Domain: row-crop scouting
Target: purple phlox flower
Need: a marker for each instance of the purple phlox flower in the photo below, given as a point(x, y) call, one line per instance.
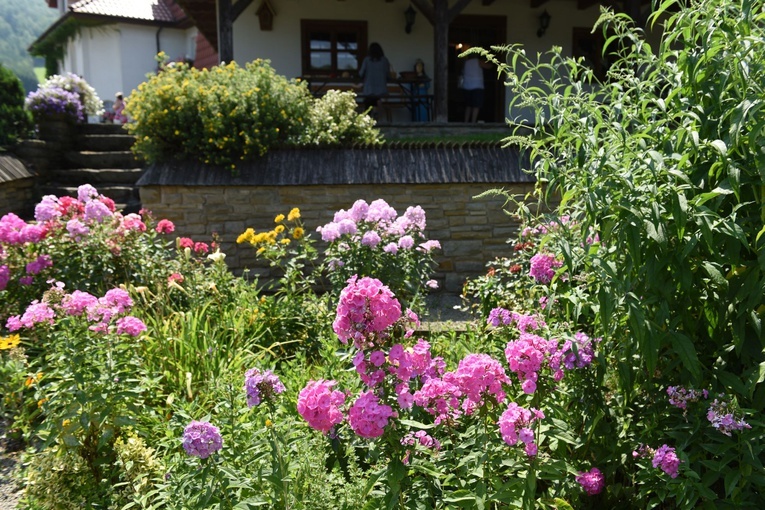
point(86, 193)
point(261, 386)
point(32, 233)
point(5, 276)
point(680, 397)
point(39, 264)
point(347, 226)
point(96, 211)
point(77, 229)
point(440, 398)
point(36, 313)
point(10, 229)
point(499, 316)
point(391, 248)
point(722, 414)
point(48, 208)
point(201, 439)
point(359, 211)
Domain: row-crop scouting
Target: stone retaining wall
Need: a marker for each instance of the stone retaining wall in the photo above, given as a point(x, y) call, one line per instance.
point(443, 180)
point(17, 186)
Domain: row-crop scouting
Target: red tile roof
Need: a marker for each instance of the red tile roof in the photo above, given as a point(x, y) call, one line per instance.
point(148, 10)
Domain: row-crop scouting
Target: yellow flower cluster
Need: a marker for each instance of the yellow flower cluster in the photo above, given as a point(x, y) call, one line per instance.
point(281, 234)
point(9, 342)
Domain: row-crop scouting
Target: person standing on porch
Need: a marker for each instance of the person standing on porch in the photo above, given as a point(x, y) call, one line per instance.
point(375, 71)
point(472, 85)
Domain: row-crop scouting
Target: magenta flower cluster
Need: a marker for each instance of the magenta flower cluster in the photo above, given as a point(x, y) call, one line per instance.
point(107, 313)
point(261, 386)
point(319, 405)
point(543, 267)
point(201, 439)
point(375, 221)
point(366, 309)
point(592, 481)
point(368, 417)
point(515, 427)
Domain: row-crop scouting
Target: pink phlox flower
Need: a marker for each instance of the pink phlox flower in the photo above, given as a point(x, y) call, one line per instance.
point(429, 246)
point(201, 248)
point(185, 242)
point(666, 459)
point(368, 417)
point(543, 267)
point(261, 386)
point(418, 441)
point(319, 405)
point(36, 313)
point(359, 211)
point(329, 232)
point(366, 307)
point(32, 233)
point(480, 375)
point(406, 242)
point(415, 216)
point(78, 302)
point(201, 439)
point(117, 298)
point(525, 357)
point(347, 226)
point(134, 222)
point(165, 227)
point(379, 210)
point(440, 398)
point(524, 323)
point(129, 325)
point(391, 248)
point(39, 264)
point(10, 229)
point(515, 426)
point(592, 481)
point(370, 239)
point(679, 396)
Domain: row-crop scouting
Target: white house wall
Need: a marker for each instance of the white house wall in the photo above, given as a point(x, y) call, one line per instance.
point(117, 58)
point(386, 26)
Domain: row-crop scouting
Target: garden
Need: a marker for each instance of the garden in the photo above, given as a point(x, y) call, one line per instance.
point(614, 358)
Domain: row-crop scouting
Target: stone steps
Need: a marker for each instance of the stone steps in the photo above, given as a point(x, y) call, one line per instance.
point(105, 142)
point(101, 160)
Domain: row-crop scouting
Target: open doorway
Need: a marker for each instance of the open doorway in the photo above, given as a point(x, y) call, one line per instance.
point(483, 31)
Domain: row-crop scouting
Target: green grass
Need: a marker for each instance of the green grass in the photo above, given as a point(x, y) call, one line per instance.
point(40, 74)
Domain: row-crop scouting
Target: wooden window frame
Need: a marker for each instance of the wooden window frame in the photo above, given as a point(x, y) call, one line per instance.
point(333, 27)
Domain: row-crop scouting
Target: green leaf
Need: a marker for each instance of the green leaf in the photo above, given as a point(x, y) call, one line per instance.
point(684, 348)
point(720, 146)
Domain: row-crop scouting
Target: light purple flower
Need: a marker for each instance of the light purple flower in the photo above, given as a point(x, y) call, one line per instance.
point(391, 248)
point(48, 208)
point(5, 276)
point(86, 193)
point(201, 439)
point(39, 264)
point(406, 242)
point(97, 211)
point(370, 239)
point(77, 229)
point(261, 386)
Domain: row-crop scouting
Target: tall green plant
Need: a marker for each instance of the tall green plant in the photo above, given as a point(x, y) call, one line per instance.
point(664, 160)
point(15, 122)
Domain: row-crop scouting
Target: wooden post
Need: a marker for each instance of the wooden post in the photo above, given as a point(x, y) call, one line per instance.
point(225, 32)
point(441, 60)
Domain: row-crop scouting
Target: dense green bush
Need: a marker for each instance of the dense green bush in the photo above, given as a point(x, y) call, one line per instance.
point(14, 120)
point(229, 114)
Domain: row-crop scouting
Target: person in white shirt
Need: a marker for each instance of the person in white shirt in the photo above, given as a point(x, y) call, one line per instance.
point(472, 85)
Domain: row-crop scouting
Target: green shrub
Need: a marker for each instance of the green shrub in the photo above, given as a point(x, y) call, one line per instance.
point(229, 114)
point(14, 121)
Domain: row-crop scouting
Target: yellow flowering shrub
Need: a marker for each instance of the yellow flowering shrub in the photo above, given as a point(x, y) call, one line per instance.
point(229, 114)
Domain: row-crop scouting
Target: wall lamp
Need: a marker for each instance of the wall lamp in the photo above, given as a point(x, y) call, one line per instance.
point(409, 15)
point(544, 23)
